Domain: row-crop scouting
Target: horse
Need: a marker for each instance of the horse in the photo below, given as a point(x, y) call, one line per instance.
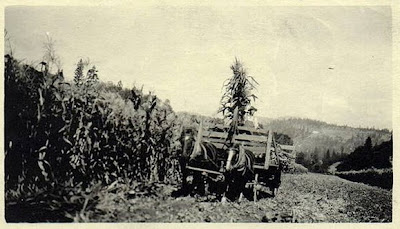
point(240, 169)
point(237, 172)
point(204, 155)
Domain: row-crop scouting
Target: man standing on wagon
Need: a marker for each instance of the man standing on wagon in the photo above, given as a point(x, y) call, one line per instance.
point(251, 119)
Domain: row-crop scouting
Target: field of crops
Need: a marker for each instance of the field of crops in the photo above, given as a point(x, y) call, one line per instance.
point(63, 138)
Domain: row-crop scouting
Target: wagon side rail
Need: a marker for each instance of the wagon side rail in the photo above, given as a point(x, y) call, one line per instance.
point(260, 142)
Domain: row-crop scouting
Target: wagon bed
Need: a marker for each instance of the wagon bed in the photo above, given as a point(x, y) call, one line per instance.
point(264, 147)
point(258, 141)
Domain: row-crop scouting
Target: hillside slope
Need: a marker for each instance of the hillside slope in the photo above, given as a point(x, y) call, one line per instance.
point(310, 134)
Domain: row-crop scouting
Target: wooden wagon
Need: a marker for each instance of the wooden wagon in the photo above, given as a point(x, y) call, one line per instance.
point(267, 169)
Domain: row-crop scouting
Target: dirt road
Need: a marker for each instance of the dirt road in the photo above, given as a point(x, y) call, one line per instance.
point(302, 198)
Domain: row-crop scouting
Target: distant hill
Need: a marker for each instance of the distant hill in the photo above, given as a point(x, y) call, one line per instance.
point(309, 135)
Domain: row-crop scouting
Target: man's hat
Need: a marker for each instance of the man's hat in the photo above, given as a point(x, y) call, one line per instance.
point(252, 108)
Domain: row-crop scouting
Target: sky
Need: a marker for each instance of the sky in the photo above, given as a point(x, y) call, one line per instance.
point(330, 63)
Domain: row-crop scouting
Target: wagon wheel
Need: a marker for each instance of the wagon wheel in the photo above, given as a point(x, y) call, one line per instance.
point(255, 190)
point(276, 183)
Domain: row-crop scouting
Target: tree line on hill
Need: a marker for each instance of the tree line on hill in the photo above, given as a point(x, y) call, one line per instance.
point(319, 161)
point(319, 144)
point(363, 157)
point(369, 156)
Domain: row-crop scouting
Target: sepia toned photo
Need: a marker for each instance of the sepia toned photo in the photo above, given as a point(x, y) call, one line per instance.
point(198, 114)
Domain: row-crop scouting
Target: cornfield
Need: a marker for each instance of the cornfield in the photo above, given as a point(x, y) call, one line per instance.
point(63, 135)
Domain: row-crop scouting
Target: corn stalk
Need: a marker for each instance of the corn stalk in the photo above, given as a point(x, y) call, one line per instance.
point(237, 97)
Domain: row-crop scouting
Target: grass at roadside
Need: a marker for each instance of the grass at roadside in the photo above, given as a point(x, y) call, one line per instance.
point(376, 177)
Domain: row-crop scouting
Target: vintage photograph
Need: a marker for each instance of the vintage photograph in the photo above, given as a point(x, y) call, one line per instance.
point(198, 114)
